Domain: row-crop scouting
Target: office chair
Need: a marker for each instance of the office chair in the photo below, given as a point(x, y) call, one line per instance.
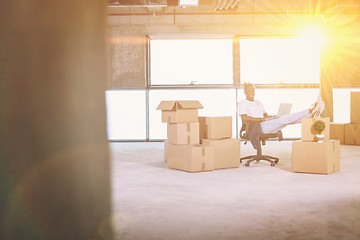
point(252, 132)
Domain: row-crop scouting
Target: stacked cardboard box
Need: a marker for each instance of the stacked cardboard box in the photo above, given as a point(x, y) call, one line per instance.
point(217, 132)
point(348, 133)
point(354, 107)
point(352, 129)
point(307, 129)
point(337, 132)
point(352, 134)
point(190, 158)
point(316, 157)
point(312, 156)
point(182, 150)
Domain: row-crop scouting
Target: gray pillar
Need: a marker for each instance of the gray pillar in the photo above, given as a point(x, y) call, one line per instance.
point(54, 159)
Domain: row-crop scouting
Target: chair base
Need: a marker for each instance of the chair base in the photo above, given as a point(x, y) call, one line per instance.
point(257, 158)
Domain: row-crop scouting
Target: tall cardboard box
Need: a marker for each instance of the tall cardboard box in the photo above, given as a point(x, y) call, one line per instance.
point(190, 158)
point(354, 107)
point(215, 127)
point(316, 157)
point(307, 131)
point(179, 111)
point(227, 152)
point(337, 132)
point(352, 134)
point(183, 133)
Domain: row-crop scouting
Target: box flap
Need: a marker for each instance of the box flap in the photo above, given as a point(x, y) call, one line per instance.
point(169, 105)
point(190, 104)
point(166, 105)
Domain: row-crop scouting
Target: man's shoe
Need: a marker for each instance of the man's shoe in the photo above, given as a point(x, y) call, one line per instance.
point(318, 108)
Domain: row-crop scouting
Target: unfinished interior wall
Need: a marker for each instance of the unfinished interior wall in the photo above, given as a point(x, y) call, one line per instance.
point(127, 47)
point(256, 18)
point(127, 37)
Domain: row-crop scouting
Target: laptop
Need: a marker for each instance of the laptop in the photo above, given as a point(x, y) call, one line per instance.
point(284, 109)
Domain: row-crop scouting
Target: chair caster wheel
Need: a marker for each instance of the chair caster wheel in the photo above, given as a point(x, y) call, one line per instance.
point(240, 161)
point(272, 164)
point(276, 161)
point(247, 164)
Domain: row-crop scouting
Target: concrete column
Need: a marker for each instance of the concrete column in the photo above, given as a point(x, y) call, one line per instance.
point(54, 159)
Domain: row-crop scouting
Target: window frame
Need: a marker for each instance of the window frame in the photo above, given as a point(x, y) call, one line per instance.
point(237, 83)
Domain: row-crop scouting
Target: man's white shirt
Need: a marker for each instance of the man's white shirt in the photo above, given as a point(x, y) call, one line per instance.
point(251, 108)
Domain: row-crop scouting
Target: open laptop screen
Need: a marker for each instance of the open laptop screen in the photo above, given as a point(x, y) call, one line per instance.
point(284, 109)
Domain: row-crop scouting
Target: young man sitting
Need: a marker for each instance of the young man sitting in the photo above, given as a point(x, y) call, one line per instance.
point(253, 111)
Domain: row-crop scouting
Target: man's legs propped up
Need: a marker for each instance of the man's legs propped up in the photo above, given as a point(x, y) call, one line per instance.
point(276, 124)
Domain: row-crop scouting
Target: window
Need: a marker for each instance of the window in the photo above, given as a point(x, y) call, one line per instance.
point(176, 63)
point(187, 61)
point(126, 114)
point(273, 61)
point(341, 101)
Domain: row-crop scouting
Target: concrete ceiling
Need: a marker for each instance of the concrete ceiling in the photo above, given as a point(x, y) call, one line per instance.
point(238, 6)
point(153, 3)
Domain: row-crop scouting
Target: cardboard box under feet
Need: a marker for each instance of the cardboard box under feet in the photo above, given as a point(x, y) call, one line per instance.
point(183, 133)
point(307, 129)
point(227, 152)
point(352, 134)
point(337, 132)
point(190, 158)
point(215, 127)
point(316, 157)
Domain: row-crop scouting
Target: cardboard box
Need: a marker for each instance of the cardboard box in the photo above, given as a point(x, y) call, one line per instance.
point(337, 132)
point(165, 150)
point(352, 134)
point(307, 130)
point(316, 157)
point(190, 158)
point(227, 152)
point(183, 133)
point(215, 127)
point(354, 107)
point(179, 111)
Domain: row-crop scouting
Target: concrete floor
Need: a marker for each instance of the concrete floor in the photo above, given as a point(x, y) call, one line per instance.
point(151, 201)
